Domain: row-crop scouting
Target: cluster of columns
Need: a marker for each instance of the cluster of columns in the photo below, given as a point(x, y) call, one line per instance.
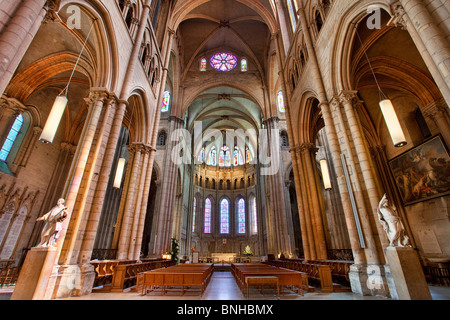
point(133, 209)
point(165, 219)
point(277, 234)
point(310, 203)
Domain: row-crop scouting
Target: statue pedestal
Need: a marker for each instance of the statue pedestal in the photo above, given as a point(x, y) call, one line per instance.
point(33, 278)
point(408, 279)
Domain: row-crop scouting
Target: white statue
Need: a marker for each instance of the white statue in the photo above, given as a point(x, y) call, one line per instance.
point(53, 224)
point(392, 224)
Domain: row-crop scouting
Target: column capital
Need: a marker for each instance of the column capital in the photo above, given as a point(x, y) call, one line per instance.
point(398, 16)
point(348, 96)
point(308, 147)
point(435, 109)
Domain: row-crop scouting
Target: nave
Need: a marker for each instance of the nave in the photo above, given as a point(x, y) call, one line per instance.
point(224, 287)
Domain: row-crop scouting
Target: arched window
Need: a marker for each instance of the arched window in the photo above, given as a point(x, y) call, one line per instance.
point(207, 223)
point(194, 211)
point(292, 15)
point(165, 102)
point(280, 99)
point(212, 159)
point(253, 216)
point(162, 139)
point(224, 216)
point(284, 139)
point(241, 217)
point(238, 159)
point(201, 157)
point(244, 66)
point(248, 156)
point(225, 157)
point(11, 138)
point(203, 65)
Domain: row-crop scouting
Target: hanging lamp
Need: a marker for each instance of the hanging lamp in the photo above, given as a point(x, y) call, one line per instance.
point(387, 108)
point(60, 104)
point(325, 174)
point(120, 171)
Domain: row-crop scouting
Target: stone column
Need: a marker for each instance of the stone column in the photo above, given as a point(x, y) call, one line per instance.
point(163, 221)
point(316, 214)
point(413, 16)
point(435, 42)
point(275, 180)
point(146, 191)
point(130, 204)
point(358, 252)
point(348, 99)
point(17, 36)
point(438, 112)
point(104, 171)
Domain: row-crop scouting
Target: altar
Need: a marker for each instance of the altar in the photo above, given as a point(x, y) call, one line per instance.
point(224, 257)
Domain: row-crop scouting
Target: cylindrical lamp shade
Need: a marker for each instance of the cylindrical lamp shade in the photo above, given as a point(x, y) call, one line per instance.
point(54, 119)
point(394, 127)
point(325, 174)
point(119, 173)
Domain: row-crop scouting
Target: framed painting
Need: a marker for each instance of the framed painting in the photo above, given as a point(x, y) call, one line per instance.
point(423, 172)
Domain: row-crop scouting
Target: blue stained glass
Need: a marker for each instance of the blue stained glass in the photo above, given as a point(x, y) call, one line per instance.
point(3, 155)
point(165, 102)
point(208, 216)
point(241, 216)
point(12, 136)
point(224, 217)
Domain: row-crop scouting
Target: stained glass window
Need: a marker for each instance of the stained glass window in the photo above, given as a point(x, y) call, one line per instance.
point(238, 159)
point(244, 66)
point(224, 216)
point(253, 215)
point(208, 216)
point(241, 216)
point(11, 138)
point(224, 62)
point(292, 15)
point(201, 158)
point(203, 65)
point(248, 156)
point(281, 105)
point(212, 157)
point(165, 102)
point(193, 214)
point(225, 157)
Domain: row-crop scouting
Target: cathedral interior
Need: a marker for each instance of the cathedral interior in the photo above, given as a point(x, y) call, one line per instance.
point(205, 129)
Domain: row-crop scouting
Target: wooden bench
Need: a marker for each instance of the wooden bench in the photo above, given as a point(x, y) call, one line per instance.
point(176, 277)
point(262, 281)
point(286, 278)
point(321, 272)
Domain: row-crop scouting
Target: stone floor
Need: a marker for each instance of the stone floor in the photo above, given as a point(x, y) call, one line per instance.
point(223, 287)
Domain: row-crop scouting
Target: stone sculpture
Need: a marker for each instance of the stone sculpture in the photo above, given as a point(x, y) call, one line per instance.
point(392, 224)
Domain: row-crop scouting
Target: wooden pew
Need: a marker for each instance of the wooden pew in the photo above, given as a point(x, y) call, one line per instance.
point(321, 272)
point(286, 278)
point(126, 276)
point(176, 277)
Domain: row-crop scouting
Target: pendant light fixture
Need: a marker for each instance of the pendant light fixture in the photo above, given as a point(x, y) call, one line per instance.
point(325, 174)
point(120, 171)
point(60, 104)
point(387, 108)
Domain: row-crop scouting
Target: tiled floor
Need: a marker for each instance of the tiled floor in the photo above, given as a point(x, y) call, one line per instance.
point(223, 287)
